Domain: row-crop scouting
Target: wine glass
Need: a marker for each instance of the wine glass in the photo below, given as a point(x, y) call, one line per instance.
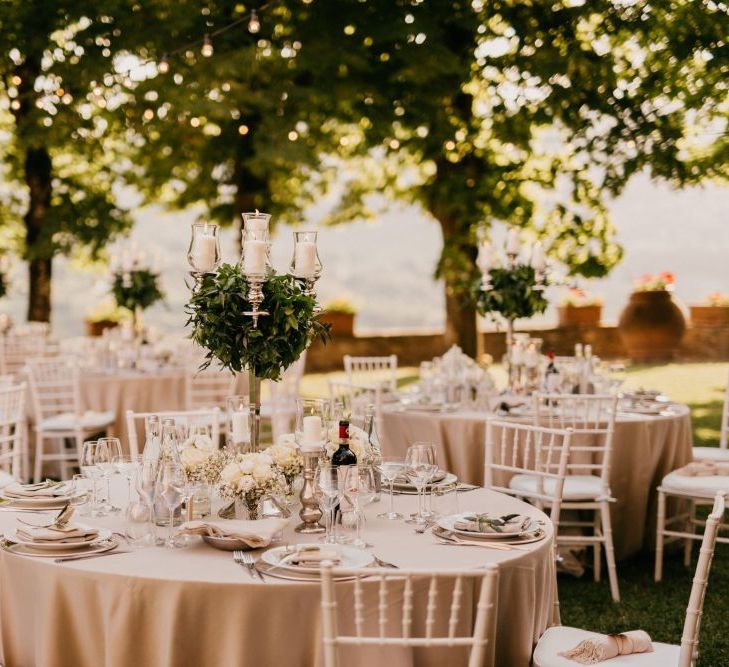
point(420, 469)
point(170, 488)
point(126, 466)
point(93, 473)
point(144, 482)
point(108, 450)
point(365, 493)
point(328, 492)
point(390, 468)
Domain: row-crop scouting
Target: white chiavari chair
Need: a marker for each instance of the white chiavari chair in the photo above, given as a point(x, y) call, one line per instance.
point(208, 388)
point(558, 639)
point(280, 407)
point(720, 453)
point(388, 603)
point(591, 417)
point(370, 372)
point(208, 418)
point(33, 328)
point(355, 400)
point(529, 462)
point(16, 350)
point(13, 433)
point(56, 401)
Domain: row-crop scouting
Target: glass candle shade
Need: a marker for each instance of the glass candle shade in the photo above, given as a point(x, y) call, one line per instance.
point(204, 251)
point(239, 430)
point(305, 263)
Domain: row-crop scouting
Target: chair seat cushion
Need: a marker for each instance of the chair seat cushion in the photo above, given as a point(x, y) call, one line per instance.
point(576, 487)
point(5, 479)
point(563, 638)
point(707, 485)
point(87, 421)
point(710, 454)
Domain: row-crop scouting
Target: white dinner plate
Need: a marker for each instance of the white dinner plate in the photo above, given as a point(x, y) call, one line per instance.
point(448, 478)
point(41, 503)
point(103, 536)
point(96, 548)
point(449, 522)
point(349, 557)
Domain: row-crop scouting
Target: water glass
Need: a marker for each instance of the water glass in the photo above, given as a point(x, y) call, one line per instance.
point(126, 466)
point(108, 449)
point(144, 482)
point(139, 527)
point(421, 467)
point(328, 492)
point(170, 488)
point(444, 500)
point(93, 473)
point(390, 468)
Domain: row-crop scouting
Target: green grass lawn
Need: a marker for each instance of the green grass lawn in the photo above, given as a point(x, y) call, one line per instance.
point(657, 608)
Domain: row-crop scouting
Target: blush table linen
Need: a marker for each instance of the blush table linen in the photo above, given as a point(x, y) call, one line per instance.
point(645, 449)
point(195, 606)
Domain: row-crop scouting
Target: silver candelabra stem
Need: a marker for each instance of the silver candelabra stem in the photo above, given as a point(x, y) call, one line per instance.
point(308, 290)
point(255, 296)
point(310, 511)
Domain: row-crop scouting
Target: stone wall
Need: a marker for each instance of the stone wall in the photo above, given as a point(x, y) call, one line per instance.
point(699, 344)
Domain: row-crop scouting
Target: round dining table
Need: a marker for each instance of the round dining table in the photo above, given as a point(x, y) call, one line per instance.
point(645, 449)
point(195, 606)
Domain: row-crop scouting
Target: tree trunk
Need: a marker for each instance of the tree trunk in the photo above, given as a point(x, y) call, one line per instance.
point(460, 312)
point(38, 249)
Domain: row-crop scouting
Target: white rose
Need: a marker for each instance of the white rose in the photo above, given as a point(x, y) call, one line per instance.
point(246, 466)
point(231, 473)
point(246, 484)
point(204, 442)
point(261, 472)
point(191, 456)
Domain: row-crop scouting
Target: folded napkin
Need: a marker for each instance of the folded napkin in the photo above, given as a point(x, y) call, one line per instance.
point(485, 523)
point(57, 535)
point(704, 469)
point(313, 556)
point(437, 477)
point(41, 490)
point(255, 534)
point(605, 647)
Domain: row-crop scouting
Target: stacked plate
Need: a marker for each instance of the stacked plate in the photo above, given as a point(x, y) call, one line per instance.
point(290, 562)
point(46, 496)
point(441, 478)
point(95, 541)
point(503, 529)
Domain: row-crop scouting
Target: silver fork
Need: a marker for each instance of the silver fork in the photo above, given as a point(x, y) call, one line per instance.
point(246, 560)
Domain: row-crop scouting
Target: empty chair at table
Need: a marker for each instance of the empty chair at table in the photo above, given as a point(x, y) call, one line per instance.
point(13, 431)
point(354, 401)
point(529, 462)
point(207, 418)
point(16, 350)
point(419, 609)
point(56, 401)
point(591, 417)
point(720, 453)
point(559, 639)
point(369, 372)
point(208, 388)
point(280, 406)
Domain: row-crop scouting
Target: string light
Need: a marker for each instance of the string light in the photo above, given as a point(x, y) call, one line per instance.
point(164, 64)
point(207, 47)
point(254, 25)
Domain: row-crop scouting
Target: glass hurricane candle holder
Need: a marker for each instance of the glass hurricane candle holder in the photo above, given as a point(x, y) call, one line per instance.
point(256, 221)
point(239, 429)
point(203, 254)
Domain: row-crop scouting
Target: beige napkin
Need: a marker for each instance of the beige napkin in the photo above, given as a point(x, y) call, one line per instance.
point(42, 490)
point(704, 469)
point(605, 647)
point(313, 557)
point(57, 535)
point(254, 533)
point(512, 525)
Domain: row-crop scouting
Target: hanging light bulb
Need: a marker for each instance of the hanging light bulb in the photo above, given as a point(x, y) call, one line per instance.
point(254, 25)
point(164, 64)
point(207, 47)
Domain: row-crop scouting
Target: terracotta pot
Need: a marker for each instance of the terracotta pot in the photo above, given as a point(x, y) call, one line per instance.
point(342, 323)
point(579, 316)
point(98, 328)
point(710, 316)
point(651, 326)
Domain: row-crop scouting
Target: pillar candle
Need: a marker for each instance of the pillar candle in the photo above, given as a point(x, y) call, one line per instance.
point(531, 358)
point(539, 259)
point(239, 427)
point(254, 258)
point(485, 257)
point(203, 252)
point(312, 431)
point(512, 241)
point(305, 259)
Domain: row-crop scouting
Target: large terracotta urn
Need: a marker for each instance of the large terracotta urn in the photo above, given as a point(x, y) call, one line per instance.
point(651, 326)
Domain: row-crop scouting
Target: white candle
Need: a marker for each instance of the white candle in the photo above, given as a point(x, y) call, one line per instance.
point(257, 223)
point(203, 253)
point(254, 258)
point(312, 431)
point(539, 259)
point(517, 355)
point(485, 257)
point(588, 351)
point(239, 427)
point(305, 259)
point(512, 241)
point(531, 358)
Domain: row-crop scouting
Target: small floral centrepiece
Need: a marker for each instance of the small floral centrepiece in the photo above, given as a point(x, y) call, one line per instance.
point(287, 458)
point(659, 282)
point(202, 462)
point(249, 477)
point(576, 297)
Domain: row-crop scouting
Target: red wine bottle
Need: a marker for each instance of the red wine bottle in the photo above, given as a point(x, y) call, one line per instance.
point(344, 456)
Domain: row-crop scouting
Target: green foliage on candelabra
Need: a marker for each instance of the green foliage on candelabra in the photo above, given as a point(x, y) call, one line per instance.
point(512, 294)
point(219, 323)
point(138, 288)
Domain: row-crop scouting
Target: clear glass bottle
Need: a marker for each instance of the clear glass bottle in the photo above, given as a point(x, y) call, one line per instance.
point(152, 438)
point(169, 452)
point(370, 428)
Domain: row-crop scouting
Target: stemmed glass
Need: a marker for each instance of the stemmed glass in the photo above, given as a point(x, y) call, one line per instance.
point(361, 496)
point(421, 467)
point(171, 484)
point(328, 490)
point(108, 450)
point(126, 466)
point(92, 472)
point(145, 481)
point(390, 467)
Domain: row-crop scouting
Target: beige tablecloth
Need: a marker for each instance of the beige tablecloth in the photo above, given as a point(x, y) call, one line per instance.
point(130, 390)
point(194, 607)
point(645, 449)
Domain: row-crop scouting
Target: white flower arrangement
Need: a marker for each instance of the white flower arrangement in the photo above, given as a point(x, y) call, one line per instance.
point(249, 477)
point(194, 454)
point(287, 457)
